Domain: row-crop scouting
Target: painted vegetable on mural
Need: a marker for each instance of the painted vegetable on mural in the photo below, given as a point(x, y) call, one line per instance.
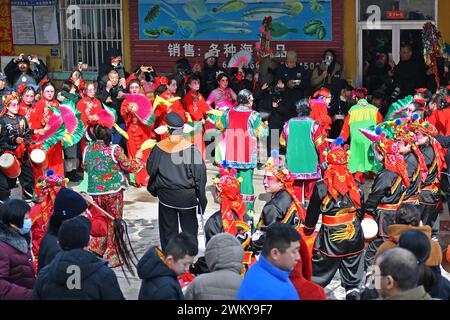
point(315, 28)
point(279, 29)
point(152, 14)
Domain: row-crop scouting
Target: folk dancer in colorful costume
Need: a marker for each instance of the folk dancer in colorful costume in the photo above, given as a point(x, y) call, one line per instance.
point(137, 112)
point(27, 100)
point(242, 126)
point(415, 161)
point(166, 103)
point(339, 244)
point(320, 103)
point(15, 137)
point(104, 163)
point(304, 139)
point(284, 206)
point(233, 216)
point(89, 106)
point(221, 98)
point(46, 116)
point(434, 154)
point(197, 108)
point(362, 115)
point(388, 189)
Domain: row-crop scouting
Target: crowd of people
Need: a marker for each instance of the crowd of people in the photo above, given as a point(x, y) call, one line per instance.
point(327, 142)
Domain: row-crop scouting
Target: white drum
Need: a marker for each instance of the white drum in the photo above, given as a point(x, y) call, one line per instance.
point(39, 158)
point(370, 228)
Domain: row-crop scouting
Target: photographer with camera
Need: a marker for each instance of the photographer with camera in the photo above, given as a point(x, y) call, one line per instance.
point(18, 71)
point(327, 74)
point(295, 77)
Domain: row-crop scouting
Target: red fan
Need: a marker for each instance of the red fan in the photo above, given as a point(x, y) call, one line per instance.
point(144, 110)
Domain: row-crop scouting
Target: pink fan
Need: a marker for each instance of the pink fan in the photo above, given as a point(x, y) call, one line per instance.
point(69, 118)
point(371, 135)
point(240, 59)
point(144, 110)
point(54, 123)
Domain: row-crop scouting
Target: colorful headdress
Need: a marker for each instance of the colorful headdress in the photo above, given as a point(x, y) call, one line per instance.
point(10, 96)
point(337, 176)
point(359, 92)
point(426, 128)
point(393, 160)
point(322, 93)
point(230, 192)
point(403, 132)
point(282, 173)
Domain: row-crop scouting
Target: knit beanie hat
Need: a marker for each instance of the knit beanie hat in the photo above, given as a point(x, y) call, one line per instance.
point(74, 233)
point(68, 204)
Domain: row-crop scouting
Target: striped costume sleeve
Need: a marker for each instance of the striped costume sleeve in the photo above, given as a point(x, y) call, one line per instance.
point(258, 128)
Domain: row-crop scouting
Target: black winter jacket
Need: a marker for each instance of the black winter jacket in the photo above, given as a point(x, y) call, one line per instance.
point(158, 281)
point(97, 281)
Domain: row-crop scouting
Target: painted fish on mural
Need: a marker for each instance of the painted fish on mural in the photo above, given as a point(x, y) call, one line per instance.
point(185, 26)
point(167, 9)
point(195, 9)
point(241, 24)
point(152, 14)
point(279, 29)
point(224, 29)
point(255, 16)
point(230, 6)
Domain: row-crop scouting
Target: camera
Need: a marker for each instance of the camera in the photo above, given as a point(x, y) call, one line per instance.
point(276, 94)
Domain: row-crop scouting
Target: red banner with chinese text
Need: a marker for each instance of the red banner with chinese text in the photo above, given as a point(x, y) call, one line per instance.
point(6, 38)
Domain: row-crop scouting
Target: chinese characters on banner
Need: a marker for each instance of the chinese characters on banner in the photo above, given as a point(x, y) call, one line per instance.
point(227, 50)
point(6, 40)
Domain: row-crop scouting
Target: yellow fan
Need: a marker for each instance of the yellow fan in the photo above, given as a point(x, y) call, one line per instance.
point(68, 137)
point(120, 131)
point(159, 101)
point(148, 144)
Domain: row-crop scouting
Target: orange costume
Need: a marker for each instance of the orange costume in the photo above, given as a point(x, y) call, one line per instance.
point(319, 112)
point(162, 110)
point(38, 120)
point(137, 132)
point(196, 106)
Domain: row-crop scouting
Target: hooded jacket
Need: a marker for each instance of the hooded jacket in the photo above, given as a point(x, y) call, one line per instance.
point(16, 267)
point(394, 233)
point(97, 281)
point(158, 281)
point(224, 256)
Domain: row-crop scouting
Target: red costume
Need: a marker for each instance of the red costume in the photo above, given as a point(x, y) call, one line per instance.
point(137, 134)
point(197, 107)
point(38, 120)
point(88, 107)
point(162, 110)
point(40, 214)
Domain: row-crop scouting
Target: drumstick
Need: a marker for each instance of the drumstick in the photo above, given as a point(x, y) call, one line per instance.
point(95, 205)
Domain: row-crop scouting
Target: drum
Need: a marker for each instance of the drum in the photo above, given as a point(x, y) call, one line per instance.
point(10, 166)
point(370, 228)
point(39, 159)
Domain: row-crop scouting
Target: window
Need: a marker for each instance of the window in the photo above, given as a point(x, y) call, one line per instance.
point(98, 29)
point(418, 10)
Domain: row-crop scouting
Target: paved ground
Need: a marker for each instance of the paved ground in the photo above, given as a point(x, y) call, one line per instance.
point(141, 214)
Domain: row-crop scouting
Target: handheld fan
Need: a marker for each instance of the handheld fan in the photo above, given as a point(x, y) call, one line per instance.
point(240, 59)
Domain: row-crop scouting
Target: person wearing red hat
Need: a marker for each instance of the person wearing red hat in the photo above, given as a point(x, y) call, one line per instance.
point(433, 152)
point(320, 103)
point(388, 189)
point(339, 244)
point(361, 115)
